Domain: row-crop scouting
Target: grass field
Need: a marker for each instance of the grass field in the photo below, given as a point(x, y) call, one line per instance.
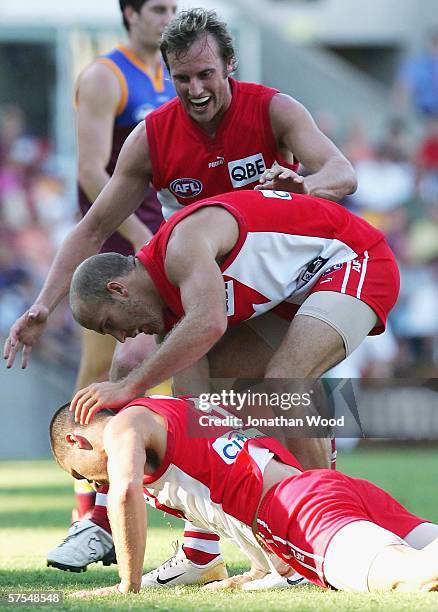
point(35, 504)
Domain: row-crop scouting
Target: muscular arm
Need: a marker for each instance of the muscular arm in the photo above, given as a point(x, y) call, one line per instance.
point(191, 266)
point(331, 175)
point(119, 198)
point(125, 440)
point(98, 99)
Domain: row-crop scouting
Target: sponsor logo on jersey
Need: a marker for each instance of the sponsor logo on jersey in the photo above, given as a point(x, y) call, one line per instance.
point(312, 269)
point(229, 297)
point(229, 446)
point(247, 170)
point(282, 195)
point(185, 187)
point(334, 268)
point(141, 111)
point(218, 162)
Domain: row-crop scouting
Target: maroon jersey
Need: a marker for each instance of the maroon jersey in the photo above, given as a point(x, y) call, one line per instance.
point(141, 92)
point(187, 164)
point(286, 243)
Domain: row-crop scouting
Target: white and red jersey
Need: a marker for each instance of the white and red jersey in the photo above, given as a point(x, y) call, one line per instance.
point(216, 483)
point(286, 243)
point(187, 164)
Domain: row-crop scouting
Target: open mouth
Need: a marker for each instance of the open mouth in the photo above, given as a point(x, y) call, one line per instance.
point(200, 103)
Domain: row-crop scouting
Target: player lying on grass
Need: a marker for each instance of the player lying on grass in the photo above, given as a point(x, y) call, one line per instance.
point(337, 531)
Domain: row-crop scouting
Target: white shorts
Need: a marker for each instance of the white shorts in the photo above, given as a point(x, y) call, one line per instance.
point(351, 552)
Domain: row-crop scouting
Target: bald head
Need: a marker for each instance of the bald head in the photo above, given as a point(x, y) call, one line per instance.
point(88, 288)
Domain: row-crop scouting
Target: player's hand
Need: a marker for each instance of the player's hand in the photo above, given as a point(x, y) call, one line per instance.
point(112, 590)
point(279, 178)
point(89, 401)
point(234, 582)
point(25, 332)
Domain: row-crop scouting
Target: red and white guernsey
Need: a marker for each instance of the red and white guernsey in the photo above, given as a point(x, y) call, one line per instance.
point(216, 483)
point(187, 164)
point(286, 243)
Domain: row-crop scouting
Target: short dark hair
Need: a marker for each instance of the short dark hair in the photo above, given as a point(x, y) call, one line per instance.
point(189, 26)
point(136, 5)
point(88, 285)
point(61, 424)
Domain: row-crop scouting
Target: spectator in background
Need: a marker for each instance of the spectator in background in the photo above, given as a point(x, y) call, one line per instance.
point(34, 216)
point(416, 84)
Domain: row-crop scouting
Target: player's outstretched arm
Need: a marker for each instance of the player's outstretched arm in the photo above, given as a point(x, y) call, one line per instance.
point(330, 176)
point(121, 196)
point(125, 439)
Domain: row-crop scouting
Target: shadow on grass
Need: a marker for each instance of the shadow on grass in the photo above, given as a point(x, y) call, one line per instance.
point(42, 519)
point(48, 578)
point(52, 491)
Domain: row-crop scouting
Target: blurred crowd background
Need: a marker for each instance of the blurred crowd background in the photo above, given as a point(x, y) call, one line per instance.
point(394, 148)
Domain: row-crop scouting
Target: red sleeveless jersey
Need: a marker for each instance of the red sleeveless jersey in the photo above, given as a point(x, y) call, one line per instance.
point(188, 165)
point(286, 243)
point(208, 478)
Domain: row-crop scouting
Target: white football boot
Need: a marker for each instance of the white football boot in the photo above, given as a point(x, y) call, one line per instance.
point(179, 570)
point(275, 581)
point(85, 543)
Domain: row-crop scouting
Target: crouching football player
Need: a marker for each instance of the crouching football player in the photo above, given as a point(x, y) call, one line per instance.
point(337, 531)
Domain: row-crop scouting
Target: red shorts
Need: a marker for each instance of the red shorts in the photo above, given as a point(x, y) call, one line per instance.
point(373, 278)
point(299, 516)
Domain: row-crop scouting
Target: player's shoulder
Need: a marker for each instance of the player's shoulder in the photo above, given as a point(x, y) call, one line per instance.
point(100, 73)
point(165, 112)
point(129, 416)
point(247, 88)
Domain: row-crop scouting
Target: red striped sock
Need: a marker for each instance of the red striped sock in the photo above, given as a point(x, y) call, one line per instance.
point(100, 513)
point(84, 504)
point(84, 498)
point(200, 546)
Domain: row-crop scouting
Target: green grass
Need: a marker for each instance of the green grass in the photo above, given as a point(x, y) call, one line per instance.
point(35, 505)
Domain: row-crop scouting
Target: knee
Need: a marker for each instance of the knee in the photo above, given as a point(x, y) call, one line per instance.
point(130, 354)
point(123, 363)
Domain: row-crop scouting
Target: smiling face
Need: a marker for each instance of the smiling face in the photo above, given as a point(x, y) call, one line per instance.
point(201, 81)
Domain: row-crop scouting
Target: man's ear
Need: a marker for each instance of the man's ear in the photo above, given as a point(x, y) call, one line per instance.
point(130, 14)
point(78, 441)
point(116, 288)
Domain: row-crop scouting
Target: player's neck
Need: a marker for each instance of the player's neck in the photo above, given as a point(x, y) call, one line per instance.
point(149, 56)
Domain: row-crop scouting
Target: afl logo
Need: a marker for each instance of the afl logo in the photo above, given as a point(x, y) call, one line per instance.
point(186, 187)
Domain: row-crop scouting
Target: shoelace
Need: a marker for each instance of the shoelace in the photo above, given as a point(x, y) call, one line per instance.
point(69, 537)
point(171, 561)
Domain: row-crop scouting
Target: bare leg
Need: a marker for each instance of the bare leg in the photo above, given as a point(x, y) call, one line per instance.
point(402, 568)
point(242, 353)
point(362, 556)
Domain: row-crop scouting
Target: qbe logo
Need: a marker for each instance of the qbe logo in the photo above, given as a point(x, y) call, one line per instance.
point(185, 187)
point(247, 170)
